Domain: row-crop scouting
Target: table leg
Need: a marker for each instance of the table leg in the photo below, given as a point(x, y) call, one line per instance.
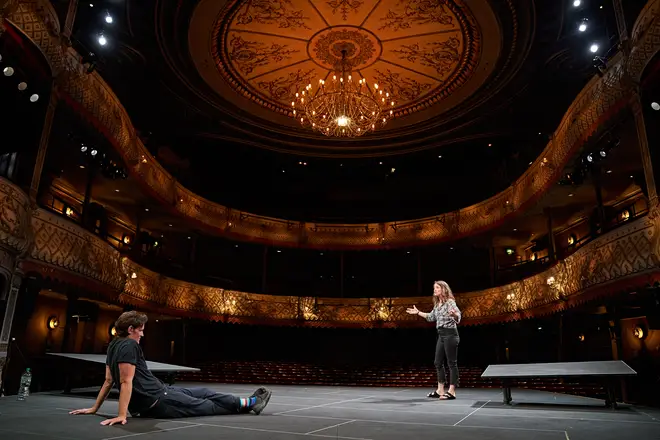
point(506, 392)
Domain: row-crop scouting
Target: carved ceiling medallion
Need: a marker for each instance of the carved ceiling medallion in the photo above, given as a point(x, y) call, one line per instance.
point(421, 50)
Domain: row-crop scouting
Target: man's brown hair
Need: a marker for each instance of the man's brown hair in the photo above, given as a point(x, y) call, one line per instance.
point(128, 319)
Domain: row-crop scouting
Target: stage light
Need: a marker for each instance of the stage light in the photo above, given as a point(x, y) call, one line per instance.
point(583, 25)
point(108, 18)
point(655, 106)
point(102, 40)
point(577, 3)
point(594, 48)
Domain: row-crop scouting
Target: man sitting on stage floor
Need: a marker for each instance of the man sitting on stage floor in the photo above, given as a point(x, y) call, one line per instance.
point(144, 395)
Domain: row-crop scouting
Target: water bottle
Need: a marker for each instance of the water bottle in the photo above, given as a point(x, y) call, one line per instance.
point(24, 389)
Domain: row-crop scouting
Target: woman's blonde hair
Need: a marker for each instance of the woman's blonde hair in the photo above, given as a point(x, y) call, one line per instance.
point(446, 295)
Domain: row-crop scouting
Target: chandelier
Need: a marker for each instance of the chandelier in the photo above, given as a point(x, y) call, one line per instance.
point(343, 107)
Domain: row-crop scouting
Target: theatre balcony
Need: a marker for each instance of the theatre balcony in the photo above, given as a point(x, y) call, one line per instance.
point(163, 171)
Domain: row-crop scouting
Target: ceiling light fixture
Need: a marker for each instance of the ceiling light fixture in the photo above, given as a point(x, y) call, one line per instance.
point(583, 25)
point(343, 107)
point(655, 106)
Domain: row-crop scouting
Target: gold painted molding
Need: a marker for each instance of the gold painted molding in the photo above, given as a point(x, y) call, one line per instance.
point(591, 110)
point(626, 258)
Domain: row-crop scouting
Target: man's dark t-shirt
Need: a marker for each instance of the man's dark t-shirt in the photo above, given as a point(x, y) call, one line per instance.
point(146, 387)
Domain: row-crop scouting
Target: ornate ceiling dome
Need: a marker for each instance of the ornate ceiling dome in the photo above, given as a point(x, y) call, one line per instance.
point(430, 55)
point(208, 83)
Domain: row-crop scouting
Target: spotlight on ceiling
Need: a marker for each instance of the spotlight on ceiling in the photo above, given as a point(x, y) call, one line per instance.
point(102, 40)
point(577, 3)
point(594, 48)
point(34, 98)
point(655, 106)
point(583, 25)
point(8, 71)
point(22, 86)
point(108, 17)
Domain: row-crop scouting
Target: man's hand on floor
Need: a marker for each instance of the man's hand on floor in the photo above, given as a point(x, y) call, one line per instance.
point(84, 411)
point(116, 420)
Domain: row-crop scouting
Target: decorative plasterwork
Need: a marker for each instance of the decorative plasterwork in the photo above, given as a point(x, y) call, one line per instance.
point(421, 51)
point(591, 110)
point(626, 258)
point(15, 229)
point(433, 55)
point(60, 243)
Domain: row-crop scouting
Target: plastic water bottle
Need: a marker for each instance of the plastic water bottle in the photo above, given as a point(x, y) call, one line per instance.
point(24, 389)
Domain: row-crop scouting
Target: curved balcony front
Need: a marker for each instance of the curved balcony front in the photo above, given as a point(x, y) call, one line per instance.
point(624, 259)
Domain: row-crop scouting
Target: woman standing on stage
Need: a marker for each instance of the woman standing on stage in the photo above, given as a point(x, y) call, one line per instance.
point(446, 316)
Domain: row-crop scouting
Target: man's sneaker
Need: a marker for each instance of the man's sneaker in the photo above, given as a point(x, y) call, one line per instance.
point(263, 396)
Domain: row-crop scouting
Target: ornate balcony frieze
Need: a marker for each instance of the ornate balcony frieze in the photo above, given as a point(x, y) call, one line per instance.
point(15, 228)
point(63, 245)
point(625, 258)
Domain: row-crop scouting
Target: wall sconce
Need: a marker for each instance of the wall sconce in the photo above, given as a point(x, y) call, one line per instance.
point(68, 211)
point(126, 239)
point(53, 323)
point(572, 239)
point(625, 215)
point(639, 332)
point(113, 331)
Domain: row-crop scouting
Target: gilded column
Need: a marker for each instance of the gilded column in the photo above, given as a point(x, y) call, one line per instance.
point(5, 333)
point(43, 144)
point(644, 151)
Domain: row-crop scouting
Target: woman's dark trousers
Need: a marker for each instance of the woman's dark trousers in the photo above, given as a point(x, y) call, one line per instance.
point(446, 348)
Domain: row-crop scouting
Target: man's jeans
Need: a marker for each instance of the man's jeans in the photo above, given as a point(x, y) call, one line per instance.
point(192, 402)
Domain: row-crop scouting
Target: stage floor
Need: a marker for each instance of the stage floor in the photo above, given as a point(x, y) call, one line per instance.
point(346, 413)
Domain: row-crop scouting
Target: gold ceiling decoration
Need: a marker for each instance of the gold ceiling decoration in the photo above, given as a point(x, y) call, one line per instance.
point(418, 51)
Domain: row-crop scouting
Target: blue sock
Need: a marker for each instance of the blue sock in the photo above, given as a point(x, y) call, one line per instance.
point(248, 402)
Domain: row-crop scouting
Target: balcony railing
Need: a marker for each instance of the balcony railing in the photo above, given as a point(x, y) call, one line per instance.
point(627, 257)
